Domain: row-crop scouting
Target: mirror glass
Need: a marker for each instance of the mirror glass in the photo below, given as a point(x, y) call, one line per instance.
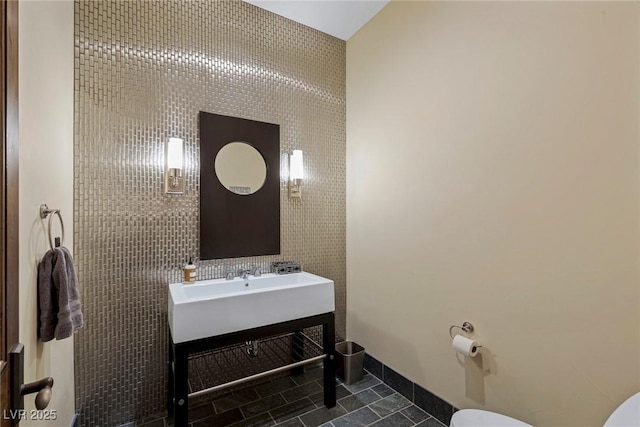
point(240, 168)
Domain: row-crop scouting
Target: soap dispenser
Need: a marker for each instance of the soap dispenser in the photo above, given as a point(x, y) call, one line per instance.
point(190, 274)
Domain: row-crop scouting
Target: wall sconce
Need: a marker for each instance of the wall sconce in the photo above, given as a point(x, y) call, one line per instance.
point(174, 165)
point(296, 174)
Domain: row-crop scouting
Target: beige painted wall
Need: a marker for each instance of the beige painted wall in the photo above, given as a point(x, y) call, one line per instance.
point(46, 176)
point(492, 158)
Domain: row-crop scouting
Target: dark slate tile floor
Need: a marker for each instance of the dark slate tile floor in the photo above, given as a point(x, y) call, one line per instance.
point(297, 402)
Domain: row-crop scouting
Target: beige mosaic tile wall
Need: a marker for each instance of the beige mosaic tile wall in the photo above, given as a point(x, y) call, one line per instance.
point(143, 70)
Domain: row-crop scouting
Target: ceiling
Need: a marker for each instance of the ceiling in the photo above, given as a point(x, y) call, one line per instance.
point(339, 18)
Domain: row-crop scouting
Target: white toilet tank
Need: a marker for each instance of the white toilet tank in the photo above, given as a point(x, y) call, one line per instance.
point(627, 414)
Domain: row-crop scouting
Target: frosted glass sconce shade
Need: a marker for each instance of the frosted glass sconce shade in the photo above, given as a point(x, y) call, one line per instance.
point(174, 165)
point(296, 174)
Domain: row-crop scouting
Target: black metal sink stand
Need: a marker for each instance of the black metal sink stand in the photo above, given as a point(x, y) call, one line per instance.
point(178, 361)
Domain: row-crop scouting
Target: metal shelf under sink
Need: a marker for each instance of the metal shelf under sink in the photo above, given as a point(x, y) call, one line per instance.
point(279, 352)
point(215, 370)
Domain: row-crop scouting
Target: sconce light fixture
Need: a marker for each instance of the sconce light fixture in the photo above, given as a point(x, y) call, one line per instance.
point(296, 174)
point(174, 165)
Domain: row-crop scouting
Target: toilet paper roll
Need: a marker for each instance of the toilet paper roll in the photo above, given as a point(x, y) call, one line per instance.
point(464, 345)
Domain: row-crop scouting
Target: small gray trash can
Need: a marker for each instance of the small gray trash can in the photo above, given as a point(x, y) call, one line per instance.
point(350, 361)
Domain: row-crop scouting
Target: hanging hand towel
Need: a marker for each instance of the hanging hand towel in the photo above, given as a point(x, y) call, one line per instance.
point(69, 309)
point(58, 297)
point(47, 298)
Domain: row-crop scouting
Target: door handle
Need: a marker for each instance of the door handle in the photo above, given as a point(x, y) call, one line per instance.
point(19, 389)
point(43, 388)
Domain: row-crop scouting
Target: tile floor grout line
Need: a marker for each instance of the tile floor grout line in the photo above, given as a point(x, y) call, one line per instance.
point(348, 413)
point(272, 419)
point(296, 416)
point(338, 404)
point(393, 413)
point(376, 413)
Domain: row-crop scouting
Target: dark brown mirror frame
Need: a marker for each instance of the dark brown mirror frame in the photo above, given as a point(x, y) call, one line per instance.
point(233, 225)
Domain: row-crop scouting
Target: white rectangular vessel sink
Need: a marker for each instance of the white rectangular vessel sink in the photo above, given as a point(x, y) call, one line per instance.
point(214, 307)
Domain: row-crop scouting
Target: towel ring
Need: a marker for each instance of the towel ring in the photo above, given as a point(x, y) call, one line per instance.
point(46, 212)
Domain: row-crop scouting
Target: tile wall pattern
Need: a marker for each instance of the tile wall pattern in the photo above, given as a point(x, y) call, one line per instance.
point(143, 70)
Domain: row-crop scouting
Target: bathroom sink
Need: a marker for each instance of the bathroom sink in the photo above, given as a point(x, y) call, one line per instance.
point(214, 307)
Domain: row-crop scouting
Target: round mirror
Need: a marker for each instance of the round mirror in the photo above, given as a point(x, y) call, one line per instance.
point(240, 168)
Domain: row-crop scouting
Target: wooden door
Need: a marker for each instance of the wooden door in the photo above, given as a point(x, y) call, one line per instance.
point(8, 198)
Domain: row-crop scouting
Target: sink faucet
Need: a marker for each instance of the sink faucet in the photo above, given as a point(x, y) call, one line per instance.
point(256, 272)
point(243, 273)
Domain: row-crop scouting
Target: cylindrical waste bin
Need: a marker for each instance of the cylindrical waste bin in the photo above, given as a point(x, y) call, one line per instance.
point(350, 361)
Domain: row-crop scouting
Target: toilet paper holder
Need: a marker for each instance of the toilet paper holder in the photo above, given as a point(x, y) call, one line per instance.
point(466, 327)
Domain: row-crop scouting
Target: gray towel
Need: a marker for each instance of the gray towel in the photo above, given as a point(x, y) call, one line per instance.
point(60, 309)
point(47, 297)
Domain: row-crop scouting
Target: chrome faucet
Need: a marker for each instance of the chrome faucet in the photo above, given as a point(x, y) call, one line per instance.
point(229, 275)
point(243, 273)
point(256, 272)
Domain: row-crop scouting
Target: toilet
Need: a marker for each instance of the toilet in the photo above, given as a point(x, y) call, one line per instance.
point(479, 418)
point(626, 415)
